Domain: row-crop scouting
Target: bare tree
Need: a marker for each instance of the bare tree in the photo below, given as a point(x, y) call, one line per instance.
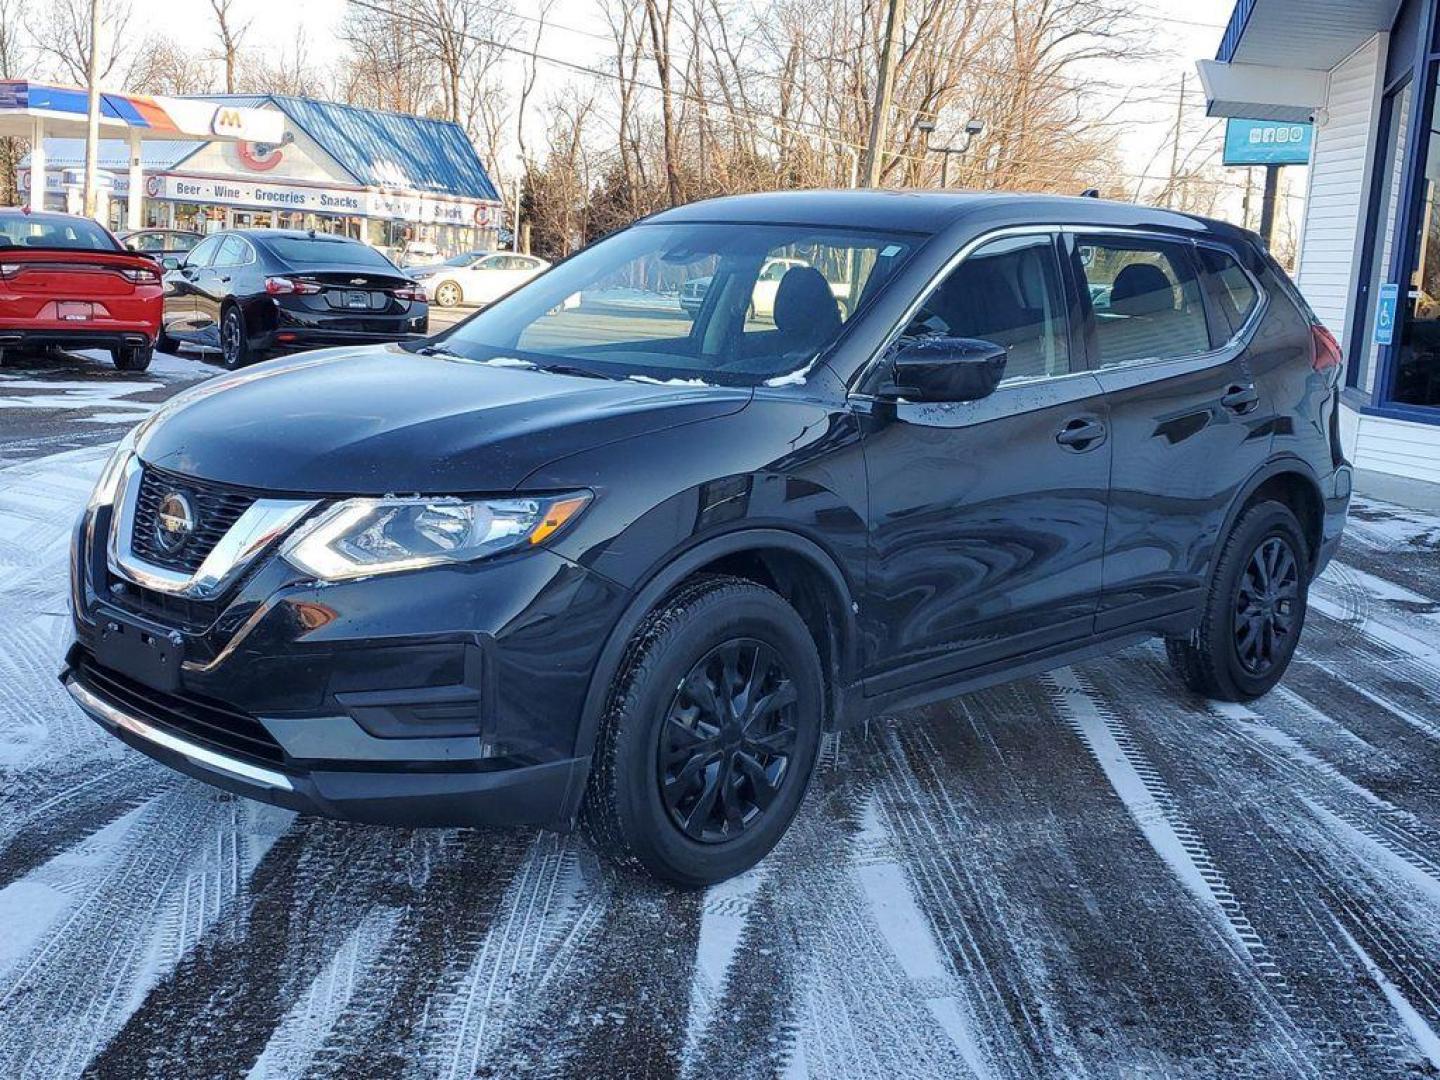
point(15, 56)
point(161, 66)
point(658, 16)
point(62, 36)
point(230, 36)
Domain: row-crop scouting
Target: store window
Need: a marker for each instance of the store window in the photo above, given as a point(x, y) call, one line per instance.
point(1395, 120)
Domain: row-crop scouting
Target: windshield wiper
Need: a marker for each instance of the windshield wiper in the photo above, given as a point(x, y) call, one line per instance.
point(572, 369)
point(437, 350)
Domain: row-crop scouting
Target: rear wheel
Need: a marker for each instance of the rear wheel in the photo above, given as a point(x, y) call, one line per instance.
point(1254, 611)
point(235, 351)
point(447, 294)
point(135, 358)
point(165, 343)
point(709, 737)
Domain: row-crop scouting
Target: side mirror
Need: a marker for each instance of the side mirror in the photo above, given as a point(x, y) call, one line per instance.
point(947, 369)
point(170, 262)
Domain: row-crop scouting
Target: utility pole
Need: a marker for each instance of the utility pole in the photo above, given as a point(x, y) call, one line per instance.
point(1175, 149)
point(880, 117)
point(1249, 197)
point(515, 232)
point(92, 130)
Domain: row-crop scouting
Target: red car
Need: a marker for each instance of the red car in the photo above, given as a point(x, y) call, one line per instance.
point(64, 280)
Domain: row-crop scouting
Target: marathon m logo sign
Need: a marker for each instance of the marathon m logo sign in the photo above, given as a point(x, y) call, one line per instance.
point(228, 121)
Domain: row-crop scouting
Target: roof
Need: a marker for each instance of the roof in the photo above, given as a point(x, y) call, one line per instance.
point(1307, 34)
point(155, 155)
point(384, 149)
point(925, 211)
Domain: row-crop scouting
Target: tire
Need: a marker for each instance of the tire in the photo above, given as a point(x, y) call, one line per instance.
point(654, 734)
point(235, 351)
point(132, 359)
point(1247, 636)
point(165, 343)
point(448, 294)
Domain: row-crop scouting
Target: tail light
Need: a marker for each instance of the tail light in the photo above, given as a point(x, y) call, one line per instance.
point(141, 275)
point(284, 286)
point(411, 291)
point(1325, 350)
point(9, 270)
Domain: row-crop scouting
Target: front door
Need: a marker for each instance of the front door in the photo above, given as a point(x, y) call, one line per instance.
point(1190, 424)
point(181, 285)
point(988, 517)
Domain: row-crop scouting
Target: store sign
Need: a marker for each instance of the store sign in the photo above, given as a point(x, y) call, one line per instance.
point(1385, 313)
point(261, 195)
point(1266, 142)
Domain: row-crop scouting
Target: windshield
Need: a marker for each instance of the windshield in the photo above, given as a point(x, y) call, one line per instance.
point(53, 231)
point(690, 302)
point(463, 259)
point(302, 251)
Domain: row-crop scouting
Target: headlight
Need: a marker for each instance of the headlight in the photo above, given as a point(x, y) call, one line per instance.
point(379, 536)
point(107, 488)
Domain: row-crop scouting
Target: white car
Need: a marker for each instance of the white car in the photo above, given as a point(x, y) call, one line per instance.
point(762, 296)
point(476, 277)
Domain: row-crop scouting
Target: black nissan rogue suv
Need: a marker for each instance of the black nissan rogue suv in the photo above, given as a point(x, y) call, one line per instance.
point(592, 557)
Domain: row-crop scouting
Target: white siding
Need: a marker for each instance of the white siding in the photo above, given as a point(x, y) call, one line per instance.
point(1339, 186)
point(1399, 448)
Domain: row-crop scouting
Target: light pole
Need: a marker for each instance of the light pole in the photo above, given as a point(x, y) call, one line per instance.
point(972, 128)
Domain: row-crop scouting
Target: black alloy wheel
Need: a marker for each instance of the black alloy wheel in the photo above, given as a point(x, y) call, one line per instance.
point(1265, 605)
point(234, 348)
point(727, 740)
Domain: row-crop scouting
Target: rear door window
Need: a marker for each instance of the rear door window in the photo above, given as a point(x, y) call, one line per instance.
point(1235, 293)
point(204, 251)
point(1146, 298)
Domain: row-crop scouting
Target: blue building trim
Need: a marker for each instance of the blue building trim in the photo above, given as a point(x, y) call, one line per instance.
point(1235, 29)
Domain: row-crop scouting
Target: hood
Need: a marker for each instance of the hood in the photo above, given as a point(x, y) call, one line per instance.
point(382, 420)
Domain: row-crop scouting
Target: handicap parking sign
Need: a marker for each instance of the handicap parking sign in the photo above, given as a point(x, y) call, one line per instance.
point(1385, 313)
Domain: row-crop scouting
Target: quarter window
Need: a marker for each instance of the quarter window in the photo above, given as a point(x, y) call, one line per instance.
point(1234, 292)
point(203, 252)
point(1006, 292)
point(1146, 300)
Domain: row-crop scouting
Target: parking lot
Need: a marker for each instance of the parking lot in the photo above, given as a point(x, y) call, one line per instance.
point(1089, 873)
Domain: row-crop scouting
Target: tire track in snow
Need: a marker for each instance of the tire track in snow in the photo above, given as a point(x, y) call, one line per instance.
point(1291, 879)
point(1000, 813)
point(387, 1025)
point(113, 939)
point(305, 898)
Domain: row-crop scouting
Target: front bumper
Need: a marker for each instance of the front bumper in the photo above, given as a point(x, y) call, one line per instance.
point(544, 794)
point(445, 696)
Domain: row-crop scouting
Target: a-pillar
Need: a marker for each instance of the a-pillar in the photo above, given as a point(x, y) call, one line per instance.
point(136, 196)
point(37, 166)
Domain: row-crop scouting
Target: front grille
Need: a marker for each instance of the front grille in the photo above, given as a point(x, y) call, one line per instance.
point(207, 723)
point(215, 510)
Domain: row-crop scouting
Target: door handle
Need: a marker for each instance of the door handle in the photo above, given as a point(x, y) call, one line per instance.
point(1082, 433)
point(1241, 399)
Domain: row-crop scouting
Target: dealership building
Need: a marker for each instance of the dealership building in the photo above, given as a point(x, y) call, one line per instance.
point(1365, 71)
point(385, 178)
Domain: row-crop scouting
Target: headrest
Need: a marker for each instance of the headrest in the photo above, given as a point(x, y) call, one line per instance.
point(1142, 289)
point(805, 306)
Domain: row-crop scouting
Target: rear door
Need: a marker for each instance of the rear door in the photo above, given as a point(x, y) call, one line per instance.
point(1188, 421)
point(988, 517)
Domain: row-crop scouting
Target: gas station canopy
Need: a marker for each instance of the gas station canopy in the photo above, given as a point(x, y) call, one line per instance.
point(33, 110)
point(63, 111)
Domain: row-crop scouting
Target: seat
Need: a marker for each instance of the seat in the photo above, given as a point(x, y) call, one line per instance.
point(806, 314)
point(1142, 322)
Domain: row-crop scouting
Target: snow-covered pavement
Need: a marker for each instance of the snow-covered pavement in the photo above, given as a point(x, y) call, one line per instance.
point(1086, 874)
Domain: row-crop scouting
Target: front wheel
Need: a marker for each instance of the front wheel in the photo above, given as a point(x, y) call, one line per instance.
point(235, 351)
point(709, 736)
point(1254, 610)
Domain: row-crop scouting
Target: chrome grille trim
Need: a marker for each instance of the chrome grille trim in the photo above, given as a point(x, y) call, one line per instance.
point(264, 522)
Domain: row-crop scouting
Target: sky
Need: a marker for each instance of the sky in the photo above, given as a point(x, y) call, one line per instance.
point(1183, 31)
